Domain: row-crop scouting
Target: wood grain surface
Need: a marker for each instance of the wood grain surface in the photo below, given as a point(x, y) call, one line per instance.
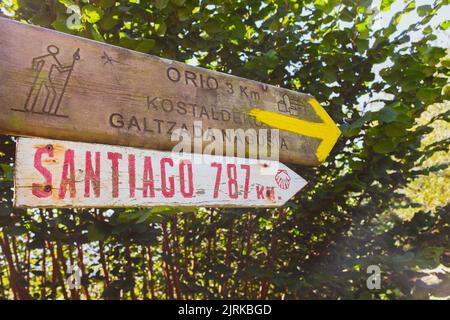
point(54, 173)
point(59, 86)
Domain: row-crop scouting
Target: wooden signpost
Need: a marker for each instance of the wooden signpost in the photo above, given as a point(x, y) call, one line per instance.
point(53, 173)
point(56, 85)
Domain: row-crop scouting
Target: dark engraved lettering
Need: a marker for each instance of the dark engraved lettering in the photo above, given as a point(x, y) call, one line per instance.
point(172, 126)
point(255, 95)
point(181, 107)
point(230, 87)
point(213, 115)
point(201, 81)
point(167, 105)
point(204, 112)
point(243, 91)
point(50, 82)
point(283, 144)
point(173, 74)
point(116, 120)
point(159, 124)
point(134, 123)
point(194, 106)
point(197, 111)
point(146, 129)
point(215, 83)
point(227, 117)
point(188, 75)
point(198, 80)
point(145, 125)
point(152, 103)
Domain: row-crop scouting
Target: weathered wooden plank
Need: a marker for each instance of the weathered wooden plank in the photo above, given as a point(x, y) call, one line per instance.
point(56, 85)
point(54, 173)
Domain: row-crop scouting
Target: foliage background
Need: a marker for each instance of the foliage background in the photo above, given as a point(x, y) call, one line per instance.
point(381, 198)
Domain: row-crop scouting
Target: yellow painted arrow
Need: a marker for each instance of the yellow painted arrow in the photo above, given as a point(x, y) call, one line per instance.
point(327, 130)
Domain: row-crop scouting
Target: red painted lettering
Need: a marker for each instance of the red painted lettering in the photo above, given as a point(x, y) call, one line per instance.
point(68, 169)
point(38, 189)
point(132, 174)
point(148, 184)
point(92, 176)
point(168, 193)
point(190, 192)
point(232, 181)
point(246, 167)
point(218, 165)
point(115, 157)
point(259, 191)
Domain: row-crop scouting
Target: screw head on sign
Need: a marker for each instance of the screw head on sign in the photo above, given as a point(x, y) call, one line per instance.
point(48, 188)
point(49, 147)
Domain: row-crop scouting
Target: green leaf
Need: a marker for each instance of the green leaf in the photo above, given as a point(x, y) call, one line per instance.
point(429, 257)
point(361, 121)
point(433, 55)
point(402, 260)
point(446, 62)
point(387, 114)
point(92, 14)
point(271, 59)
point(127, 42)
point(107, 3)
point(145, 45)
point(213, 26)
point(446, 92)
point(7, 171)
point(394, 130)
point(362, 29)
point(347, 15)
point(386, 5)
point(423, 10)
point(184, 14)
point(68, 3)
point(238, 30)
point(428, 95)
point(362, 45)
point(96, 33)
point(444, 25)
point(324, 5)
point(108, 22)
point(42, 19)
point(161, 28)
point(384, 146)
point(161, 4)
point(427, 30)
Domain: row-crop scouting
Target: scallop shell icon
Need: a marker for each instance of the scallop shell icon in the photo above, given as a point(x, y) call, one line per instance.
point(283, 179)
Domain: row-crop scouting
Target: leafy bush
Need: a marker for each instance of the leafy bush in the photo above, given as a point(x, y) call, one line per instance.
point(318, 245)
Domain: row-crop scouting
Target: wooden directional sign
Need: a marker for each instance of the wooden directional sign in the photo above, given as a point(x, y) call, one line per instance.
point(56, 85)
point(53, 173)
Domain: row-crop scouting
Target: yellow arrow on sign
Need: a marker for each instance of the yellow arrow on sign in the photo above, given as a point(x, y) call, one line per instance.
point(327, 130)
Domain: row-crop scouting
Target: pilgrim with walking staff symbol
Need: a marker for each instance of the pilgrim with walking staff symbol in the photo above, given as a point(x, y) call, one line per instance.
point(49, 84)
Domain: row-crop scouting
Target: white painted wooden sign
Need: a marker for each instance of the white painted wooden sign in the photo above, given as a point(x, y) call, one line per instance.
point(54, 173)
